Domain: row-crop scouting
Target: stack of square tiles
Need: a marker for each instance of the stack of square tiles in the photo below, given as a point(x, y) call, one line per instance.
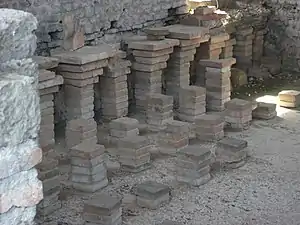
point(209, 127)
point(134, 153)
point(227, 51)
point(242, 51)
point(152, 195)
point(49, 84)
point(81, 70)
point(192, 103)
point(159, 111)
point(232, 152)
point(150, 58)
point(193, 165)
point(103, 209)
point(156, 33)
point(174, 137)
point(238, 114)
point(264, 111)
point(218, 87)
point(178, 72)
point(48, 173)
point(113, 87)
point(88, 170)
point(216, 43)
point(79, 130)
point(289, 98)
point(122, 128)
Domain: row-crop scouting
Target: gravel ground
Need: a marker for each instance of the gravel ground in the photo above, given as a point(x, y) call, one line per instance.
point(265, 191)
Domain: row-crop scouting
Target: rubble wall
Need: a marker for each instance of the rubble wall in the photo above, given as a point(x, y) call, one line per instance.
point(101, 19)
point(283, 36)
point(20, 189)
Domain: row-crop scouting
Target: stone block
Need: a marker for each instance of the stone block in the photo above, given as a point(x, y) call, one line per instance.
point(238, 104)
point(264, 111)
point(152, 195)
point(23, 107)
point(289, 98)
point(155, 37)
point(82, 75)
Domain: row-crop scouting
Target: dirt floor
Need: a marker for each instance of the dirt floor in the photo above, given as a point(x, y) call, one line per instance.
point(265, 191)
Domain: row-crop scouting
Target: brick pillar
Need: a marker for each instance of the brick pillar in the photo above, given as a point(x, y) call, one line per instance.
point(150, 59)
point(20, 119)
point(242, 51)
point(48, 171)
point(113, 87)
point(218, 88)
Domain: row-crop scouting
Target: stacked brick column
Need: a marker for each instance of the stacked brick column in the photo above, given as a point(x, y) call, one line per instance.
point(192, 103)
point(49, 84)
point(218, 88)
point(238, 114)
point(150, 59)
point(113, 87)
point(48, 171)
point(209, 50)
point(88, 171)
point(174, 137)
point(103, 209)
point(178, 72)
point(134, 153)
point(242, 51)
point(20, 188)
point(159, 111)
point(193, 165)
point(81, 70)
point(227, 51)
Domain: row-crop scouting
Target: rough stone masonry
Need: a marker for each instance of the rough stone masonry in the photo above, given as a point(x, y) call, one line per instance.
point(99, 19)
point(20, 189)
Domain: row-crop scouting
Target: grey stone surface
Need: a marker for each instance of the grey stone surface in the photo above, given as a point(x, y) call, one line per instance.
point(18, 215)
point(20, 113)
point(17, 39)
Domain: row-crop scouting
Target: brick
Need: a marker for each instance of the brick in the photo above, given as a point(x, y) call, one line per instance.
point(152, 54)
point(45, 63)
point(205, 10)
point(153, 45)
point(45, 75)
point(238, 104)
point(289, 96)
point(62, 67)
point(209, 120)
point(82, 75)
point(149, 67)
point(152, 61)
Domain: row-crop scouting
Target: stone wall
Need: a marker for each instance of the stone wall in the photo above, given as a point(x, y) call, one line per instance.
point(20, 189)
point(284, 32)
point(102, 20)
